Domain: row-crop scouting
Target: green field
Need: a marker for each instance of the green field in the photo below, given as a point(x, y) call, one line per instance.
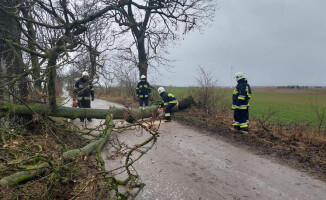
point(289, 105)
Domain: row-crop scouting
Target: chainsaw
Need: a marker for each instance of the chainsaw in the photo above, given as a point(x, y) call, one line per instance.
point(74, 103)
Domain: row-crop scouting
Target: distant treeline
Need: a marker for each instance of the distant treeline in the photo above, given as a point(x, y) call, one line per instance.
point(298, 87)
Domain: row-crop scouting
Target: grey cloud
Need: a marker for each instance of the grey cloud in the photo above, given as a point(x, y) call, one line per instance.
point(276, 42)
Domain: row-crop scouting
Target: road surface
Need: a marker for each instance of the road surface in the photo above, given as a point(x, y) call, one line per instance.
point(190, 164)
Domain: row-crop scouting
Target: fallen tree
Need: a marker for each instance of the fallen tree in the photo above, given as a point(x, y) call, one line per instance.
point(73, 113)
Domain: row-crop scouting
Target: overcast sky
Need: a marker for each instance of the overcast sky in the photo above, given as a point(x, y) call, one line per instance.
point(275, 42)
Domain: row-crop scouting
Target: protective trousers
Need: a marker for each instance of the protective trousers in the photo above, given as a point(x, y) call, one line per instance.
point(247, 115)
point(240, 119)
point(142, 101)
point(84, 104)
point(168, 110)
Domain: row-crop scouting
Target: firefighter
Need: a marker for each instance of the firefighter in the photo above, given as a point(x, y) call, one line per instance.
point(143, 91)
point(240, 99)
point(85, 92)
point(168, 102)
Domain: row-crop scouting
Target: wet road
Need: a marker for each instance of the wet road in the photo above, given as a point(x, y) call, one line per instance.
point(188, 164)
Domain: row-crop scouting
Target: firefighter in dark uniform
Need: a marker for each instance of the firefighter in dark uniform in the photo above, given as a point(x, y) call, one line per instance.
point(240, 99)
point(85, 93)
point(168, 102)
point(143, 91)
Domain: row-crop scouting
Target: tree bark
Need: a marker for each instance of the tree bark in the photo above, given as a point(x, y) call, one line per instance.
point(52, 74)
point(184, 104)
point(11, 63)
point(92, 56)
point(31, 45)
point(73, 113)
point(142, 57)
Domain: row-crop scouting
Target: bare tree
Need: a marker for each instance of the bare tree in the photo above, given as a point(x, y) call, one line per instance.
point(59, 25)
point(155, 23)
point(127, 79)
point(98, 40)
point(206, 91)
point(49, 33)
point(36, 69)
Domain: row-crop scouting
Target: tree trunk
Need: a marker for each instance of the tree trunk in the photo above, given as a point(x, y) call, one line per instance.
point(52, 74)
point(142, 57)
point(73, 113)
point(92, 56)
point(11, 63)
point(31, 45)
point(184, 104)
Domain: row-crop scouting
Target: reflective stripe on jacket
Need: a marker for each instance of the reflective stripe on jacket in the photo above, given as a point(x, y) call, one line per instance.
point(143, 89)
point(168, 98)
point(241, 95)
point(84, 89)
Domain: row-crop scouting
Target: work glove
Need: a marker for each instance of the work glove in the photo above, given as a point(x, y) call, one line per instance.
point(92, 98)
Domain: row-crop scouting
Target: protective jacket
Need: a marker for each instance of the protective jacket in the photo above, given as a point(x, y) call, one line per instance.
point(143, 89)
point(168, 98)
point(84, 89)
point(241, 95)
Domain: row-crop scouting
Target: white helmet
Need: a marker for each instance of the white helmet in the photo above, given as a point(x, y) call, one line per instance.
point(239, 76)
point(160, 90)
point(142, 77)
point(85, 73)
